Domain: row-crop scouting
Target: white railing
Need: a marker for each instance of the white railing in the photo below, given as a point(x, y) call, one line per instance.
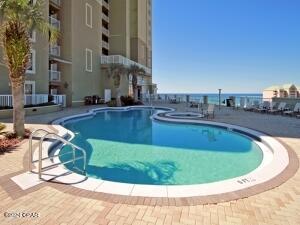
point(105, 44)
point(7, 100)
point(54, 50)
point(54, 75)
point(105, 31)
point(118, 59)
point(105, 17)
point(60, 100)
point(56, 2)
point(105, 4)
point(54, 22)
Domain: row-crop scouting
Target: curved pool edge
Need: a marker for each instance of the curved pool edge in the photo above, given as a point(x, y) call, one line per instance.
point(254, 179)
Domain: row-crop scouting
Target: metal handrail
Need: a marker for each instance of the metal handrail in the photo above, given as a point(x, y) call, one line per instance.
point(30, 146)
point(74, 147)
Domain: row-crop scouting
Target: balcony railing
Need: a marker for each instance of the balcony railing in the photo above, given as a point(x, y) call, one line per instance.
point(105, 4)
point(118, 59)
point(56, 2)
point(54, 76)
point(105, 31)
point(105, 45)
point(7, 100)
point(105, 17)
point(54, 50)
point(54, 22)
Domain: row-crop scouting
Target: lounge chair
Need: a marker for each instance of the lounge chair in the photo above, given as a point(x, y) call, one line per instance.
point(251, 106)
point(280, 108)
point(210, 111)
point(263, 107)
point(295, 111)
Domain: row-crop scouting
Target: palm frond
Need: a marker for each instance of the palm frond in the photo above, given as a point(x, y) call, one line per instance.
point(31, 15)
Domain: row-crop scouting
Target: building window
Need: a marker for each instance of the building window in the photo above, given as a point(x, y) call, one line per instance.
point(31, 64)
point(32, 2)
point(89, 60)
point(29, 87)
point(88, 15)
point(32, 36)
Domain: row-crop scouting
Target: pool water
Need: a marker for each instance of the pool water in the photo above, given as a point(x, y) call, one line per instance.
point(129, 147)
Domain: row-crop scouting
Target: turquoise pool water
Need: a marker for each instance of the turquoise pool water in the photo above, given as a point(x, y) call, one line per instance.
point(129, 147)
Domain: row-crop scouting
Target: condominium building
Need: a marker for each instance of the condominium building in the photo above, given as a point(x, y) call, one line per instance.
point(282, 91)
point(94, 34)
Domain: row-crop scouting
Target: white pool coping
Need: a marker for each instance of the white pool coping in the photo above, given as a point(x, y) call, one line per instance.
point(184, 115)
point(275, 160)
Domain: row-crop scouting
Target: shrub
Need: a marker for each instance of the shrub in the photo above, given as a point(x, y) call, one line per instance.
point(12, 135)
point(8, 144)
point(112, 103)
point(29, 106)
point(139, 103)
point(127, 100)
point(2, 127)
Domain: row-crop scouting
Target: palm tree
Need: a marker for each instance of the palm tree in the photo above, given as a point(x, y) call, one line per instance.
point(18, 18)
point(135, 71)
point(117, 73)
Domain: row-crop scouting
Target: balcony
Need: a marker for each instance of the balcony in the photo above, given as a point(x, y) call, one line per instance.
point(105, 45)
point(105, 31)
point(118, 59)
point(105, 4)
point(55, 2)
point(54, 76)
point(54, 50)
point(54, 22)
point(105, 17)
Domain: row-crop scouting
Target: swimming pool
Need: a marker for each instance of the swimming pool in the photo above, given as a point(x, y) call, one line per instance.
point(128, 146)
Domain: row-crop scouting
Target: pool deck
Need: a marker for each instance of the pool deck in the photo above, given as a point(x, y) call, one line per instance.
point(61, 204)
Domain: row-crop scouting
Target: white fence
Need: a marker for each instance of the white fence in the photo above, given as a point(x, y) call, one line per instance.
point(7, 100)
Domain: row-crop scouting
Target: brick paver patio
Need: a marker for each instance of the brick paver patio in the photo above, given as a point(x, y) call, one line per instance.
point(61, 204)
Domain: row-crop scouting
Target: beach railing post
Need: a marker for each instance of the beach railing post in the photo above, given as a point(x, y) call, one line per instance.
point(220, 90)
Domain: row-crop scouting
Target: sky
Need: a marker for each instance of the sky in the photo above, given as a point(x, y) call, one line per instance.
point(240, 46)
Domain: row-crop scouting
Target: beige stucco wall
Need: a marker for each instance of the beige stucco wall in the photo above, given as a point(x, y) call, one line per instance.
point(141, 38)
point(83, 37)
point(75, 39)
point(119, 27)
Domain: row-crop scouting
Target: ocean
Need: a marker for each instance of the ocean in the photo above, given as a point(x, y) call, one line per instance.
point(212, 98)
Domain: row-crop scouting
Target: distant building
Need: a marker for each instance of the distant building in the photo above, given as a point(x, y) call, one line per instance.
point(283, 91)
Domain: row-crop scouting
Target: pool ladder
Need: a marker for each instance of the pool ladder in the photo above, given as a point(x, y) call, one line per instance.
point(47, 134)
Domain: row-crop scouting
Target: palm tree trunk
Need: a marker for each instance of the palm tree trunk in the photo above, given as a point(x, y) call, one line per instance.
point(119, 103)
point(18, 109)
point(135, 94)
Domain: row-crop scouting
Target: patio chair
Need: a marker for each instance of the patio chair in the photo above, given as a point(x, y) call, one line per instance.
point(293, 112)
point(210, 112)
point(173, 100)
point(280, 108)
point(88, 100)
